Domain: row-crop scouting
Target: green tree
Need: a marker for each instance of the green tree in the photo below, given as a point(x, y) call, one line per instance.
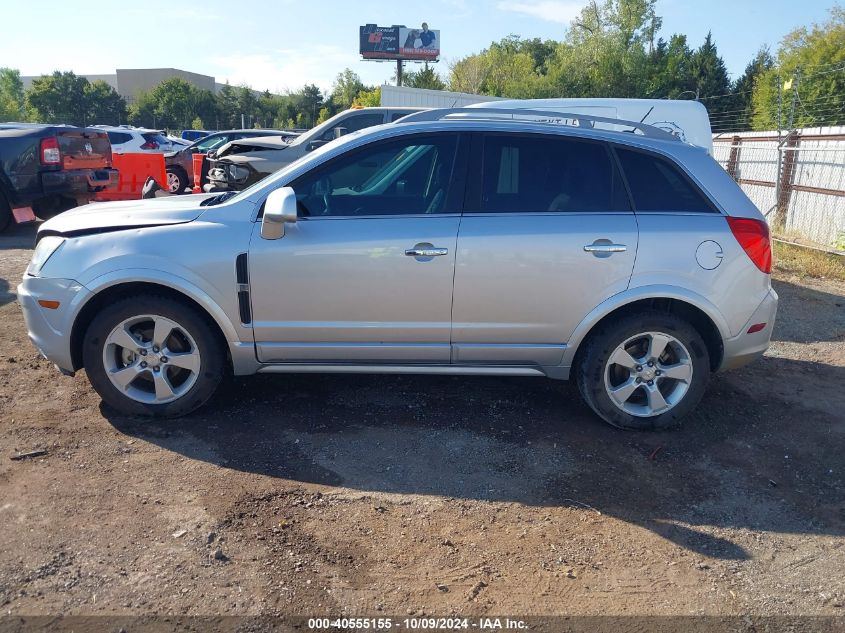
point(227, 108)
point(197, 124)
point(104, 105)
point(11, 95)
point(58, 98)
point(469, 74)
point(247, 104)
point(368, 98)
point(174, 103)
point(743, 103)
point(346, 87)
point(710, 76)
point(424, 78)
point(813, 58)
point(306, 103)
point(669, 63)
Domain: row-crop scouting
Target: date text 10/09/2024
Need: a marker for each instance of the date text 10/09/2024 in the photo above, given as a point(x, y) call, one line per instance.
point(418, 624)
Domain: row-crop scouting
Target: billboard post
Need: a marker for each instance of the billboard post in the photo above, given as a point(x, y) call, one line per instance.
point(398, 42)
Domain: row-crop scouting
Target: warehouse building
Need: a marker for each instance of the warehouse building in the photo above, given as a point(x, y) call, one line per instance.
point(130, 82)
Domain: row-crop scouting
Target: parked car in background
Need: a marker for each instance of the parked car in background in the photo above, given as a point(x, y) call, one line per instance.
point(178, 142)
point(627, 261)
point(234, 168)
point(194, 135)
point(52, 168)
point(126, 140)
point(180, 163)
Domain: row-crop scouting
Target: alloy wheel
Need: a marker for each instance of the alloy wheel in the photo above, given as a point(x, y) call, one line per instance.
point(151, 359)
point(648, 374)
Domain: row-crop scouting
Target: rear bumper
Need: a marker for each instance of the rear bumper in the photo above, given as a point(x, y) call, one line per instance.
point(78, 182)
point(745, 348)
point(49, 330)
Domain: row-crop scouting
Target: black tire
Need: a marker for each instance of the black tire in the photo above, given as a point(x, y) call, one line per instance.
point(50, 207)
point(590, 371)
point(179, 173)
point(5, 213)
point(197, 324)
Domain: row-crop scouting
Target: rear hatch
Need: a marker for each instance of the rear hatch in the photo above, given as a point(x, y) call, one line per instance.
point(84, 148)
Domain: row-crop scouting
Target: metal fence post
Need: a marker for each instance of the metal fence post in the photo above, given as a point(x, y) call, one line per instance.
point(786, 178)
point(733, 158)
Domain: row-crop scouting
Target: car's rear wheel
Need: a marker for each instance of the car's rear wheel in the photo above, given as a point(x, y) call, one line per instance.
point(153, 355)
point(645, 371)
point(177, 180)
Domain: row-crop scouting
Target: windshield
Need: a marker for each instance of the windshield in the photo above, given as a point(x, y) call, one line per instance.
point(269, 183)
point(211, 142)
point(320, 130)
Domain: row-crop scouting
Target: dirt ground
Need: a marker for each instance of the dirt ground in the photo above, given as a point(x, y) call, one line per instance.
point(341, 495)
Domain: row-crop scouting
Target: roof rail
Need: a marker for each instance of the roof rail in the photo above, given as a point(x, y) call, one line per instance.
point(584, 120)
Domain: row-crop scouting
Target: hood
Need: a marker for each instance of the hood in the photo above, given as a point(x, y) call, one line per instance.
point(264, 142)
point(105, 216)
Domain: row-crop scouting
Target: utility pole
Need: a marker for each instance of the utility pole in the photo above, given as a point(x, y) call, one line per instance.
point(398, 72)
point(780, 140)
point(243, 122)
point(795, 81)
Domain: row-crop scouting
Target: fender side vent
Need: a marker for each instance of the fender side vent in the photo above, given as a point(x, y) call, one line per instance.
point(242, 277)
point(241, 269)
point(243, 307)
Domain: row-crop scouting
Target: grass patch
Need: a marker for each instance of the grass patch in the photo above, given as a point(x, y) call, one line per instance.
point(805, 262)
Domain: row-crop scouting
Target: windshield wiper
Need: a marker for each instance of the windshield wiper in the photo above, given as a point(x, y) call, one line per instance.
point(210, 202)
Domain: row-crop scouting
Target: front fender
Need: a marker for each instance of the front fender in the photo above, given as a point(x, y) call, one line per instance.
point(178, 283)
point(638, 294)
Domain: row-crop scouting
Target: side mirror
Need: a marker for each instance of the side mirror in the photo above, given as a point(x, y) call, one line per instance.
point(279, 208)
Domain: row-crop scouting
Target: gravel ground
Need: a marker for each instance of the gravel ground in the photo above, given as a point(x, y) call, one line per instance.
point(341, 495)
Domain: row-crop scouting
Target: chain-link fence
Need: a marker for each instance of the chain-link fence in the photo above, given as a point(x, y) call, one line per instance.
point(797, 179)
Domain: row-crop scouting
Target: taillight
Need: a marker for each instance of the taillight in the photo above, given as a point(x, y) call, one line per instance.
point(753, 236)
point(150, 145)
point(50, 153)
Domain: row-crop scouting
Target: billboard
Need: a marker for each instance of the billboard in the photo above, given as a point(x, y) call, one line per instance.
point(399, 42)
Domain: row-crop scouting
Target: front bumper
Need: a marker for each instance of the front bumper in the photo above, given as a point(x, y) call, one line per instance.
point(745, 348)
point(226, 176)
point(49, 330)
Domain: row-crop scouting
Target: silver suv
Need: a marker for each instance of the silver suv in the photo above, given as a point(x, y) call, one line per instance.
point(453, 242)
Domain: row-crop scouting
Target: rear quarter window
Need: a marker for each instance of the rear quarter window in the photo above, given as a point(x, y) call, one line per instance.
point(657, 184)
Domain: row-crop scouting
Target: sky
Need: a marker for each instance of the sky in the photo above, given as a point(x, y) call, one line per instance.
point(280, 45)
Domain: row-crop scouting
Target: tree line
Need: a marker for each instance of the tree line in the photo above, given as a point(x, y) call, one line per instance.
point(612, 49)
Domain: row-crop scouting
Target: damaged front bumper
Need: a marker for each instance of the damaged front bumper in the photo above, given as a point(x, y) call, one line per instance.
point(226, 176)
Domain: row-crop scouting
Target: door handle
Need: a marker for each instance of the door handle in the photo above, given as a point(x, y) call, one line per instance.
point(605, 248)
point(426, 252)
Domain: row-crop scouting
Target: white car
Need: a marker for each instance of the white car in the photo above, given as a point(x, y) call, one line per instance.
point(126, 140)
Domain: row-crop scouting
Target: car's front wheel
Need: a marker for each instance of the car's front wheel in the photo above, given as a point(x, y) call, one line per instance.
point(177, 181)
point(644, 371)
point(153, 355)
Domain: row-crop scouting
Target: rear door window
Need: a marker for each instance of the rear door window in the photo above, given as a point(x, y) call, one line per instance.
point(119, 138)
point(537, 174)
point(658, 185)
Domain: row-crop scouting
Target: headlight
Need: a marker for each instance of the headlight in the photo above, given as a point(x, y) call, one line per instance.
point(47, 246)
point(238, 173)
